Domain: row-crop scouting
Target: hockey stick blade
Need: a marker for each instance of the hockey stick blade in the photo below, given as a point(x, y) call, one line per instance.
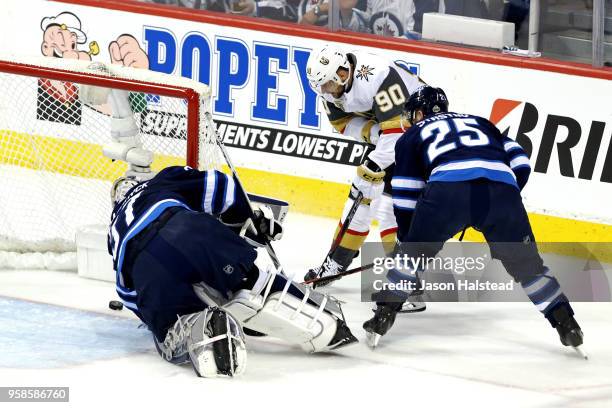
point(339, 276)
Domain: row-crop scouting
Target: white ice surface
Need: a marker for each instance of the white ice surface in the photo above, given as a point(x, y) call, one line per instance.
point(454, 354)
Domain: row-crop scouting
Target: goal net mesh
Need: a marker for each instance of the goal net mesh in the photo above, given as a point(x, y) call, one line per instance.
point(54, 178)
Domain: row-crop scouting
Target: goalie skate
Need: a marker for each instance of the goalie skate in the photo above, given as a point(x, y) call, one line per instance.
point(212, 340)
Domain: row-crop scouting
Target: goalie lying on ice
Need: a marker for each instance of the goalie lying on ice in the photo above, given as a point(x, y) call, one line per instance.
point(184, 254)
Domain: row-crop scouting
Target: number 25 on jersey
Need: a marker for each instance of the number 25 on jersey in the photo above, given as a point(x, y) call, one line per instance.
point(451, 133)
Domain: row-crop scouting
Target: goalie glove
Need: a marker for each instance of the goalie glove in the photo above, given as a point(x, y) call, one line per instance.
point(267, 225)
point(262, 228)
point(369, 181)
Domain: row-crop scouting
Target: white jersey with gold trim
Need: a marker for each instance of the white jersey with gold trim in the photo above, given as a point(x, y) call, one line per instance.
point(391, 18)
point(370, 108)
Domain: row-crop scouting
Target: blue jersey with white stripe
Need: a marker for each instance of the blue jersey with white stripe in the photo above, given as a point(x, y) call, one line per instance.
point(450, 147)
point(212, 192)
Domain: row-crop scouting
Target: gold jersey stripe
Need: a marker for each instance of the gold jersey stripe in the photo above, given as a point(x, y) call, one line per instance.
point(340, 124)
point(394, 123)
point(350, 241)
point(365, 131)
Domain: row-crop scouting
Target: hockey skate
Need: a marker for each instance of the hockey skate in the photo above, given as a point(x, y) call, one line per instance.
point(412, 306)
point(329, 268)
point(383, 320)
point(569, 331)
point(343, 336)
point(414, 303)
point(211, 340)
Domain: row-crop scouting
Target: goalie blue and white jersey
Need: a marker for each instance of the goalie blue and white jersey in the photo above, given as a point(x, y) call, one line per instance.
point(211, 192)
point(450, 147)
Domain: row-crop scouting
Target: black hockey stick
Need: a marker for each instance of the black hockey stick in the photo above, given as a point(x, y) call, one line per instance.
point(415, 306)
point(358, 269)
point(326, 279)
point(219, 141)
point(336, 243)
point(462, 234)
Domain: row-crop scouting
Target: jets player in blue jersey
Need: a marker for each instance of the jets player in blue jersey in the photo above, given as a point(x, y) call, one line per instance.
point(455, 171)
point(184, 252)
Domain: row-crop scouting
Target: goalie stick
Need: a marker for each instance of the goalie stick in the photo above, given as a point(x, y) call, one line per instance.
point(219, 141)
point(337, 305)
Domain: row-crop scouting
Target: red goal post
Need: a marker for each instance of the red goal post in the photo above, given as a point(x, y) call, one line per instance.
point(54, 178)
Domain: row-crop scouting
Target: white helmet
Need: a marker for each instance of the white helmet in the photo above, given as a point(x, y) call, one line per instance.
point(323, 66)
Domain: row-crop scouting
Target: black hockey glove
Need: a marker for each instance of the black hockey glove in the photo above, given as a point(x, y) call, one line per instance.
point(265, 226)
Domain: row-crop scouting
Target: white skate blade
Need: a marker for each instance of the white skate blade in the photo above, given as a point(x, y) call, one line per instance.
point(373, 339)
point(413, 307)
point(581, 352)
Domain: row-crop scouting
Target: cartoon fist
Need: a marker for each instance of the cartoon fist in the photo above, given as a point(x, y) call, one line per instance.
point(126, 51)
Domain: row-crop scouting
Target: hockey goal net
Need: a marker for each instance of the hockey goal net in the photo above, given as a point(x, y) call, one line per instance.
point(54, 177)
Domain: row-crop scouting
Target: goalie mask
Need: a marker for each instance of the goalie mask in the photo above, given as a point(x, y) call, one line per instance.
point(120, 188)
point(323, 67)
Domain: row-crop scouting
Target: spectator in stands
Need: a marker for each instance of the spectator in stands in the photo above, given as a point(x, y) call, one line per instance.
point(274, 9)
point(391, 18)
point(315, 12)
point(425, 6)
point(466, 8)
point(516, 11)
point(277, 10)
point(244, 7)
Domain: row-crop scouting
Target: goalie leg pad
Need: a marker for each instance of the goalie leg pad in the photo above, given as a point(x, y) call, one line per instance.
point(289, 317)
point(292, 320)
